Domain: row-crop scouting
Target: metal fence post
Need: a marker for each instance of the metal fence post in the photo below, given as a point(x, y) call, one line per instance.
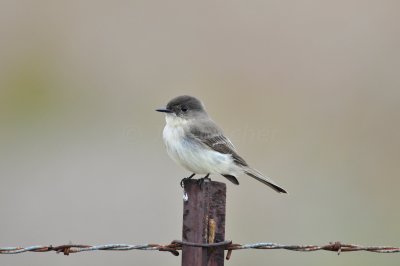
point(204, 222)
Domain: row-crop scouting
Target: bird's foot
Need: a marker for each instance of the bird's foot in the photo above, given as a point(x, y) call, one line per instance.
point(183, 181)
point(204, 179)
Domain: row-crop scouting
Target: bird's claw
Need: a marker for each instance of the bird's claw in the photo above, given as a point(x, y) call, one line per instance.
point(185, 179)
point(202, 180)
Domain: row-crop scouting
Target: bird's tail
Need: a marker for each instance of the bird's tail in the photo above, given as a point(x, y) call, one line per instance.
point(263, 179)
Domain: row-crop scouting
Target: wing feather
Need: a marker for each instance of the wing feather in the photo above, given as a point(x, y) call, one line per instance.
point(212, 137)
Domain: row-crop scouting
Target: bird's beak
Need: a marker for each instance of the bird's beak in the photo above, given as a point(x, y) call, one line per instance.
point(164, 110)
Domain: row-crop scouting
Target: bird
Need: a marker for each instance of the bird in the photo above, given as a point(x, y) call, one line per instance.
point(194, 141)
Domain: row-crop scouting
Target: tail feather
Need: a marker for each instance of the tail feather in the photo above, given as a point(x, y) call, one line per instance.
point(263, 179)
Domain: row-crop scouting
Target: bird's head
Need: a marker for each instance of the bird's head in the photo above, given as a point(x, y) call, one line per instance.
point(185, 107)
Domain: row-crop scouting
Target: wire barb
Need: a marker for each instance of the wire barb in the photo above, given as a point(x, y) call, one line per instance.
point(177, 245)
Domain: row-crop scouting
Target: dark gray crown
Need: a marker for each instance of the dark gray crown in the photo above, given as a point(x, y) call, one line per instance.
point(186, 102)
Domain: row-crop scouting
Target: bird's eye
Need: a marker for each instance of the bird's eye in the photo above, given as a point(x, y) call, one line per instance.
point(183, 109)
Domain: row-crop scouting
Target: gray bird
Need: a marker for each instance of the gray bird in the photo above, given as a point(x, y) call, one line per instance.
point(194, 141)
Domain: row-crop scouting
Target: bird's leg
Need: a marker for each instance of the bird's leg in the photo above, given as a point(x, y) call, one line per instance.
point(204, 179)
point(186, 179)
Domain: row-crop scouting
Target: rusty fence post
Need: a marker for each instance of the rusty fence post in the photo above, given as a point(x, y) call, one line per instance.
point(204, 222)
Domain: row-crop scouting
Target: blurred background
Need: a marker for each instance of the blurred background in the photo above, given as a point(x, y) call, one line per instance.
point(315, 84)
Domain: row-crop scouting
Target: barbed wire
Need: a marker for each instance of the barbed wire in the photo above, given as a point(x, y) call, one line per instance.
point(177, 245)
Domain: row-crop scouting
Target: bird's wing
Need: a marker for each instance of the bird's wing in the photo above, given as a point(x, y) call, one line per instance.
point(209, 134)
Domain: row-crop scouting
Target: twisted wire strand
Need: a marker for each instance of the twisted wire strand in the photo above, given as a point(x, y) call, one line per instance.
point(177, 245)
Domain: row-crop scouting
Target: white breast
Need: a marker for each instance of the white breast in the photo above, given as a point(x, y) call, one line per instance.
point(192, 154)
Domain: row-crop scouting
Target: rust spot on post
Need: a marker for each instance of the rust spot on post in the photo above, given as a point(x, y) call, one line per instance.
point(211, 230)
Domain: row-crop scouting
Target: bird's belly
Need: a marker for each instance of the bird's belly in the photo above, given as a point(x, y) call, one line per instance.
point(196, 157)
